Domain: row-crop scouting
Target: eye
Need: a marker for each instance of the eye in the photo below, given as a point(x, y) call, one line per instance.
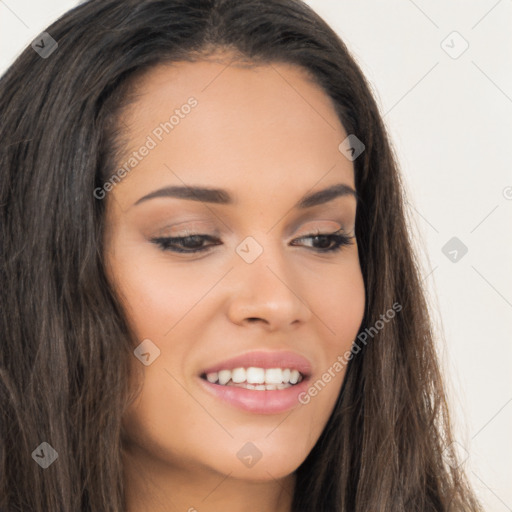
point(184, 244)
point(329, 242)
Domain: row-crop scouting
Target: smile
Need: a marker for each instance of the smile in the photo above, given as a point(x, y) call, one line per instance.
point(260, 382)
point(256, 378)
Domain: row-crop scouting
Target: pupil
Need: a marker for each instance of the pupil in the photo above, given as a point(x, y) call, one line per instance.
point(192, 241)
point(324, 242)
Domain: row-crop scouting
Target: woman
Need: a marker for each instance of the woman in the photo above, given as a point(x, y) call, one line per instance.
point(209, 296)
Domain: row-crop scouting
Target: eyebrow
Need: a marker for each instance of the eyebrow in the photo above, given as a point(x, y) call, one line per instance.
point(221, 196)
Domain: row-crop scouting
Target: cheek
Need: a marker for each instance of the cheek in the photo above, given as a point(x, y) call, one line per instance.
point(158, 294)
point(338, 299)
point(339, 302)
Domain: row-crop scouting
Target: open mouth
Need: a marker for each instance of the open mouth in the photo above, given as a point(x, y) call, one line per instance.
point(255, 378)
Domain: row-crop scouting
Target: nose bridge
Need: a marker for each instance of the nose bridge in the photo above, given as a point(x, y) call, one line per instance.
point(263, 256)
point(267, 289)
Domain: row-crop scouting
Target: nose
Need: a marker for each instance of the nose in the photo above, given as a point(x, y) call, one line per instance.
point(270, 292)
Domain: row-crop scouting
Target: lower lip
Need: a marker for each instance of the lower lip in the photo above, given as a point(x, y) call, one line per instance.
point(258, 401)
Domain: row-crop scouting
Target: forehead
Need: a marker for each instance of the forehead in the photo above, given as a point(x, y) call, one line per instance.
point(268, 125)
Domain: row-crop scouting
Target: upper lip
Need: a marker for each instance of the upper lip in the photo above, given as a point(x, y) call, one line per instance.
point(264, 359)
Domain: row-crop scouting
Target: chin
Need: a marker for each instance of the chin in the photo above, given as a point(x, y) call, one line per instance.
point(261, 461)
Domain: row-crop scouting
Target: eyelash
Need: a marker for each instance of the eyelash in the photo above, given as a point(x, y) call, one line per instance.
point(165, 243)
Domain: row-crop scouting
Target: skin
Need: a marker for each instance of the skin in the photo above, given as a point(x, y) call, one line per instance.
point(268, 135)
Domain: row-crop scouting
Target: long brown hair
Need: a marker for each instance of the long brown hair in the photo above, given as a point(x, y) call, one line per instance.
point(66, 348)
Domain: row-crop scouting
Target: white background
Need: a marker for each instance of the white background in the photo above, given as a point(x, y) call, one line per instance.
point(450, 120)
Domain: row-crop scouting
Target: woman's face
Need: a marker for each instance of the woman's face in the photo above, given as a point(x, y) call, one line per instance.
point(268, 138)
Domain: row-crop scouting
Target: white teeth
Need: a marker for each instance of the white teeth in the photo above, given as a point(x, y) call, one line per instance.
point(238, 375)
point(224, 376)
point(256, 378)
point(255, 375)
point(294, 376)
point(260, 387)
point(274, 376)
point(212, 377)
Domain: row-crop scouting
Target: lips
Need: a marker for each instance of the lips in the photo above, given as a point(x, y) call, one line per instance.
point(278, 399)
point(262, 359)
